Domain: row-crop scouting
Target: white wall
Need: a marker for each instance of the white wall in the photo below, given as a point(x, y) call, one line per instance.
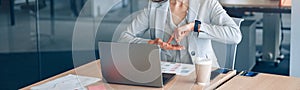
point(295, 42)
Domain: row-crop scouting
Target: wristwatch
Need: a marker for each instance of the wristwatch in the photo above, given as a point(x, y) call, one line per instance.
point(196, 27)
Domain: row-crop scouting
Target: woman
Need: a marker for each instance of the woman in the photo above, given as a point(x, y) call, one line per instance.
point(183, 28)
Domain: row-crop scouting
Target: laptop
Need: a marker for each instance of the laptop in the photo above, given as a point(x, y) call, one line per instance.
point(132, 64)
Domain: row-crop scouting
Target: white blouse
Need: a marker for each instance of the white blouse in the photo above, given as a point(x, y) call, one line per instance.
point(179, 56)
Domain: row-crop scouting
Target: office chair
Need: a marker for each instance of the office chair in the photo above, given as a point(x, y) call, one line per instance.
point(226, 53)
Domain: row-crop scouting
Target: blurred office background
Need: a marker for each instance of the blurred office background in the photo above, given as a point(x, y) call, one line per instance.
point(36, 43)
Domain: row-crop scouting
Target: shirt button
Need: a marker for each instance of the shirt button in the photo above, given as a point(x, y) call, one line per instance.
point(193, 53)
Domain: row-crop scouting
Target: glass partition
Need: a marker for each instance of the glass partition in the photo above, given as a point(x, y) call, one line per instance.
point(18, 44)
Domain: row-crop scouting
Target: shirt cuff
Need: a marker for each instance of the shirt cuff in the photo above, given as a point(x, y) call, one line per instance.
point(203, 28)
point(204, 32)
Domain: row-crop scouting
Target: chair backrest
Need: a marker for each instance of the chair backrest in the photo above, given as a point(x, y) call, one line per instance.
point(226, 53)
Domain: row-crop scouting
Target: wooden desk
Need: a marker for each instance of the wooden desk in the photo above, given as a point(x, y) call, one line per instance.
point(179, 82)
point(286, 3)
point(250, 3)
point(264, 6)
point(262, 82)
point(256, 3)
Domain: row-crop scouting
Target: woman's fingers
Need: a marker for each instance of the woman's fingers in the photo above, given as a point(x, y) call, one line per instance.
point(165, 45)
point(180, 36)
point(151, 42)
point(181, 32)
point(171, 38)
point(172, 47)
point(177, 47)
point(156, 41)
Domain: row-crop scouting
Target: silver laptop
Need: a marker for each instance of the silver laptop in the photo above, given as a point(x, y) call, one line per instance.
point(132, 64)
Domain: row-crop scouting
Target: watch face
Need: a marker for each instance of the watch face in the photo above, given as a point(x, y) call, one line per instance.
point(196, 27)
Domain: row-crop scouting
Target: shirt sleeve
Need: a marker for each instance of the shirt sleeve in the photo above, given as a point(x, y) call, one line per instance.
point(136, 29)
point(222, 28)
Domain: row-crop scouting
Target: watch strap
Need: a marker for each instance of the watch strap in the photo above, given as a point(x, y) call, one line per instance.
point(197, 23)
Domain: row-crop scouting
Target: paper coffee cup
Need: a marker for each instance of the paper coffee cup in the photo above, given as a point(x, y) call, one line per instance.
point(203, 70)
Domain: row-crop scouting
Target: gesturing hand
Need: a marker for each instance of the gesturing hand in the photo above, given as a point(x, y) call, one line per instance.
point(165, 45)
point(182, 31)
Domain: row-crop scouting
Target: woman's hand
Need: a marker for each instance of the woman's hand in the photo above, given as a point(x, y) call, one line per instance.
point(165, 45)
point(182, 31)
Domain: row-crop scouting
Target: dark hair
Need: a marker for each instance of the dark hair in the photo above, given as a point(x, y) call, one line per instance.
point(158, 1)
